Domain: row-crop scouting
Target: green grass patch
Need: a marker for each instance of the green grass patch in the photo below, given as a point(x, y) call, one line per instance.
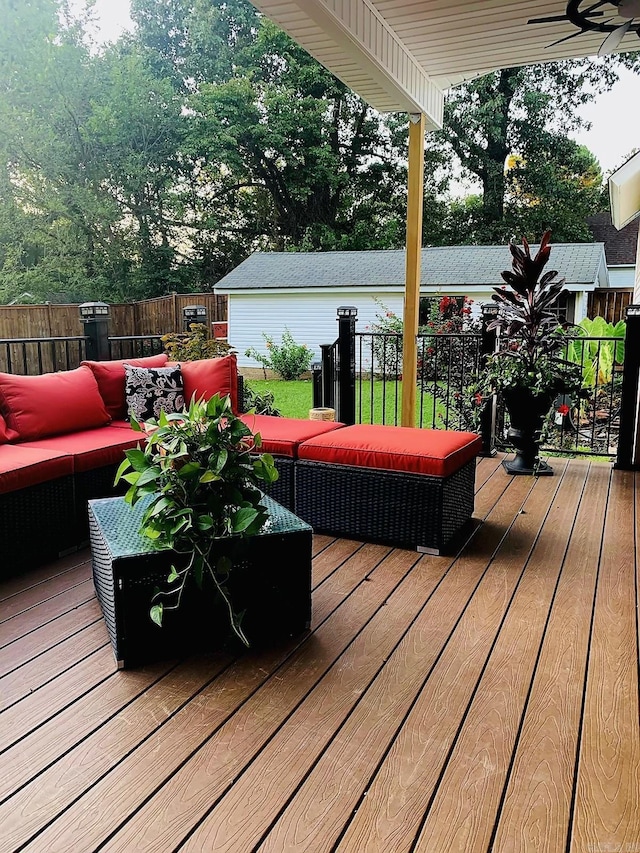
point(294, 398)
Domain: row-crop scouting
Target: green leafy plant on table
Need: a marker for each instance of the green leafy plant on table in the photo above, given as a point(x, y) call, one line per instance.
point(194, 344)
point(289, 359)
point(205, 483)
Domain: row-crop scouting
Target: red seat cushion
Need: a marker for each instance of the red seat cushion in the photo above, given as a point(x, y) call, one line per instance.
point(110, 378)
point(50, 404)
point(22, 466)
point(122, 425)
point(418, 451)
point(208, 376)
point(4, 438)
point(282, 436)
point(92, 448)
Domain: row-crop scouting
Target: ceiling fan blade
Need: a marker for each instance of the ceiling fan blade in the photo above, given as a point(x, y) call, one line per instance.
point(574, 35)
point(613, 40)
point(567, 38)
point(552, 20)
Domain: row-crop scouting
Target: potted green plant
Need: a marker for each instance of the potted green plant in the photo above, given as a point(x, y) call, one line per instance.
point(202, 483)
point(528, 371)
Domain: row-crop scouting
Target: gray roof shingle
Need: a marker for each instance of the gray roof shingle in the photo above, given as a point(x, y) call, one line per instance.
point(579, 263)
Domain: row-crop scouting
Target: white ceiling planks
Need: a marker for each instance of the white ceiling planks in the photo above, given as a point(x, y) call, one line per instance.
point(400, 55)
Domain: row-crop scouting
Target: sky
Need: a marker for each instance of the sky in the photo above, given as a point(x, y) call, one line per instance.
point(614, 116)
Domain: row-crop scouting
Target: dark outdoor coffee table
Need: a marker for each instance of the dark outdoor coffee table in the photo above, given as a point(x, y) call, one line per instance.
point(270, 581)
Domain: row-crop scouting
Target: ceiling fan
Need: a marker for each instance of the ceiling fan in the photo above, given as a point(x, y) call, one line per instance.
point(591, 16)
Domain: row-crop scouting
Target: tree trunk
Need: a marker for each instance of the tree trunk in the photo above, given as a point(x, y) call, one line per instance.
point(493, 172)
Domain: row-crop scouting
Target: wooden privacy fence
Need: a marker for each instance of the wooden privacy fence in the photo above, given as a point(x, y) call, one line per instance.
point(149, 317)
point(610, 303)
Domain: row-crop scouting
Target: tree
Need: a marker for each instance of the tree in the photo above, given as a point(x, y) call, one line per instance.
point(90, 149)
point(515, 112)
point(286, 155)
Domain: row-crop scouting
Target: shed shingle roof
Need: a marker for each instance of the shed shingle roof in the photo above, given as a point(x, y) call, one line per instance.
point(579, 263)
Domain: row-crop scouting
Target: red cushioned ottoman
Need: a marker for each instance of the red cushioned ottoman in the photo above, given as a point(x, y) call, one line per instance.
point(281, 437)
point(401, 486)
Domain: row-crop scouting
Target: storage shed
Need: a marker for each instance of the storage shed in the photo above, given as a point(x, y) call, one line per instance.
point(271, 291)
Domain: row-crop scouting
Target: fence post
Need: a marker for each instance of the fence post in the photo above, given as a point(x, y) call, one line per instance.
point(488, 342)
point(628, 456)
point(347, 315)
point(328, 376)
point(95, 316)
point(194, 314)
point(176, 320)
point(316, 376)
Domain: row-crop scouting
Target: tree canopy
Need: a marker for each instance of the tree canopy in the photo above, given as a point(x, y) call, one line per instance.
point(160, 162)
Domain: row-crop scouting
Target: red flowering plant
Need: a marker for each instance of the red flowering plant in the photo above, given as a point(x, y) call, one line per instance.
point(533, 344)
point(449, 318)
point(449, 350)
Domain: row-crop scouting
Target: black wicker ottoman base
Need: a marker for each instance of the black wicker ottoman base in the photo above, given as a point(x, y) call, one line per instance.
point(282, 489)
point(407, 510)
point(270, 581)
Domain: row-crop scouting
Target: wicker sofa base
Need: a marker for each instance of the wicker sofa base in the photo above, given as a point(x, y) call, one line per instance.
point(96, 483)
point(283, 488)
point(37, 525)
point(406, 510)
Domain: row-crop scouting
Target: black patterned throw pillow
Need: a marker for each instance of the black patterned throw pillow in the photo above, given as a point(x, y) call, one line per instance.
point(151, 390)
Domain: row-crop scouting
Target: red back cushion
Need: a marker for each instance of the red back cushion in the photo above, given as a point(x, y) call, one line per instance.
point(54, 403)
point(110, 378)
point(4, 438)
point(210, 376)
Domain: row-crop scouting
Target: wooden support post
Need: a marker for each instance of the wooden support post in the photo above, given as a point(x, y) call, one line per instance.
point(412, 283)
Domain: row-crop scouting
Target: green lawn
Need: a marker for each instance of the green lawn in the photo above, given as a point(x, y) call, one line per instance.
point(295, 398)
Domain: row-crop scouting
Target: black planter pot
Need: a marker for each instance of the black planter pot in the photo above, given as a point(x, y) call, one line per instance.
point(527, 412)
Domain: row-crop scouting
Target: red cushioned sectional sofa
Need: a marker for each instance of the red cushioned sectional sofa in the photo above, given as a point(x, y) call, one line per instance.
point(63, 435)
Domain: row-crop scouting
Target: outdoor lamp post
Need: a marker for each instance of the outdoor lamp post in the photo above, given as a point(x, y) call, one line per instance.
point(193, 314)
point(95, 316)
point(347, 316)
point(316, 372)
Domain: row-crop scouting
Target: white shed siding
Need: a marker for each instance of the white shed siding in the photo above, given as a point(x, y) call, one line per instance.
point(622, 276)
point(310, 315)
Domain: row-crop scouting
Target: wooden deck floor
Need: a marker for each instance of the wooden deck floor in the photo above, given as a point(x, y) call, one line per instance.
point(487, 701)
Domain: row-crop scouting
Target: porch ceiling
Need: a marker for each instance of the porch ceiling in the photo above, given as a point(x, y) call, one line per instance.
point(400, 55)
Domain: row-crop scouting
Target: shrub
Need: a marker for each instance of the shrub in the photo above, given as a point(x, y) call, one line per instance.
point(288, 359)
point(386, 342)
point(261, 404)
point(194, 344)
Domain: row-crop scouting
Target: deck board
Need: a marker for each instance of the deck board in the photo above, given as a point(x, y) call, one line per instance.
point(487, 700)
point(607, 804)
point(537, 801)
